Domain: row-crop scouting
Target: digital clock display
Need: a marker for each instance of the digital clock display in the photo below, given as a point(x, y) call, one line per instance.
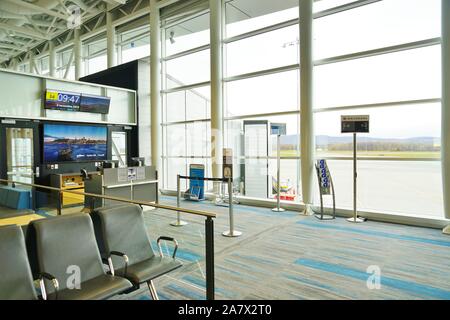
point(59, 100)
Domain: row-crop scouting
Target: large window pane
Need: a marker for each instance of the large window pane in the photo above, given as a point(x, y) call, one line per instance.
point(175, 106)
point(405, 187)
point(406, 75)
point(198, 140)
point(198, 103)
point(135, 44)
point(173, 167)
point(190, 69)
point(272, 93)
point(175, 138)
point(247, 15)
point(188, 34)
point(381, 24)
point(411, 131)
point(289, 177)
point(265, 51)
point(96, 56)
point(249, 170)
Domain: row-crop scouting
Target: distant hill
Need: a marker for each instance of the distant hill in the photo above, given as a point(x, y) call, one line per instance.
point(345, 143)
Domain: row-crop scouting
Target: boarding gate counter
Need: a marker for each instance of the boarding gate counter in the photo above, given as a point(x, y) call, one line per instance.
point(134, 183)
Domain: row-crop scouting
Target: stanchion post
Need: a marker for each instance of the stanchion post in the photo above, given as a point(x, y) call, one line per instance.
point(231, 232)
point(355, 218)
point(178, 222)
point(209, 257)
point(59, 203)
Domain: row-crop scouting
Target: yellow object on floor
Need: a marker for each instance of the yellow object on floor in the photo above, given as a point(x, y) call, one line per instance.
point(20, 220)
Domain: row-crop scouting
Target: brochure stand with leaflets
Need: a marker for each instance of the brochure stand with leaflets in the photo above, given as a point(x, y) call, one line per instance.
point(326, 187)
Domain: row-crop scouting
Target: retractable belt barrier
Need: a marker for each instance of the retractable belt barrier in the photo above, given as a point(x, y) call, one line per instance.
point(228, 233)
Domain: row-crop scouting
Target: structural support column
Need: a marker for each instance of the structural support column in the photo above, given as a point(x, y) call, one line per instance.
point(306, 103)
point(32, 63)
point(445, 116)
point(77, 54)
point(52, 58)
point(216, 34)
point(110, 40)
point(155, 85)
point(14, 64)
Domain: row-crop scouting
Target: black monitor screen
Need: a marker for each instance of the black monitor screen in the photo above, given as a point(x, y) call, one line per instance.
point(94, 104)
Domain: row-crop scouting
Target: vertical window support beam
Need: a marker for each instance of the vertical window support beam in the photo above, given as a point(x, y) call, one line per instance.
point(110, 40)
point(445, 135)
point(216, 37)
point(155, 85)
point(32, 62)
point(52, 58)
point(306, 103)
point(77, 53)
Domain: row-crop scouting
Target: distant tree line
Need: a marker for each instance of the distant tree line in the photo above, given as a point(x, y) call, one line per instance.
point(384, 146)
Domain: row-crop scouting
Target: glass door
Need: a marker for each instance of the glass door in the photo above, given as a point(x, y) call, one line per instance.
point(20, 154)
point(119, 147)
point(20, 145)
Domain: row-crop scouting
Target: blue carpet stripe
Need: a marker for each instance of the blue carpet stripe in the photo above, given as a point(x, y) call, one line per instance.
point(410, 287)
point(366, 232)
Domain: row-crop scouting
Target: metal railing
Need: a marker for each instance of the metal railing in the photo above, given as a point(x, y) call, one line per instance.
point(209, 222)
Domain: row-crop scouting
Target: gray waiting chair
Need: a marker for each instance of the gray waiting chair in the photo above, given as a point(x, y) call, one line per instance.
point(16, 280)
point(121, 230)
point(68, 258)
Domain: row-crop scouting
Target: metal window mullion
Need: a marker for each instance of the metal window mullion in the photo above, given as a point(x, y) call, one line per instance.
point(186, 17)
point(342, 8)
point(263, 73)
point(257, 32)
point(380, 105)
point(379, 51)
point(259, 115)
point(187, 52)
point(168, 124)
point(187, 87)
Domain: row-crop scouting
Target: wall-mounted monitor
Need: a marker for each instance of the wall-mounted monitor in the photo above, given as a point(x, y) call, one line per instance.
point(70, 101)
point(69, 143)
point(61, 100)
point(94, 104)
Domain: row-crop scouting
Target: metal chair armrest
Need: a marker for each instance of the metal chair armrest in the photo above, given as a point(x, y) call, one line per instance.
point(167, 239)
point(119, 254)
point(55, 283)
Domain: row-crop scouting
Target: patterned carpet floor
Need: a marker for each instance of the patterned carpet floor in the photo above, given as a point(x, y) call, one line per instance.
point(290, 256)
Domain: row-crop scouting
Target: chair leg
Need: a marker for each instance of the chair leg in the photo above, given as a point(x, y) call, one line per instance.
point(152, 289)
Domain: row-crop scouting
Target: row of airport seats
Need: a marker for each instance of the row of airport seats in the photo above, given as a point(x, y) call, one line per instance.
point(15, 198)
point(81, 256)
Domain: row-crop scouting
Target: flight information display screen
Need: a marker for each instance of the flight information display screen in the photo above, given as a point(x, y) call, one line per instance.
point(70, 101)
point(60, 100)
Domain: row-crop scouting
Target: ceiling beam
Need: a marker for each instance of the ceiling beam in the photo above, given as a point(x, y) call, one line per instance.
point(10, 46)
point(115, 1)
point(28, 33)
point(38, 9)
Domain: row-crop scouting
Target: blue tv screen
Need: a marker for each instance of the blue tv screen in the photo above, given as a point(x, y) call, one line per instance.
point(68, 143)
